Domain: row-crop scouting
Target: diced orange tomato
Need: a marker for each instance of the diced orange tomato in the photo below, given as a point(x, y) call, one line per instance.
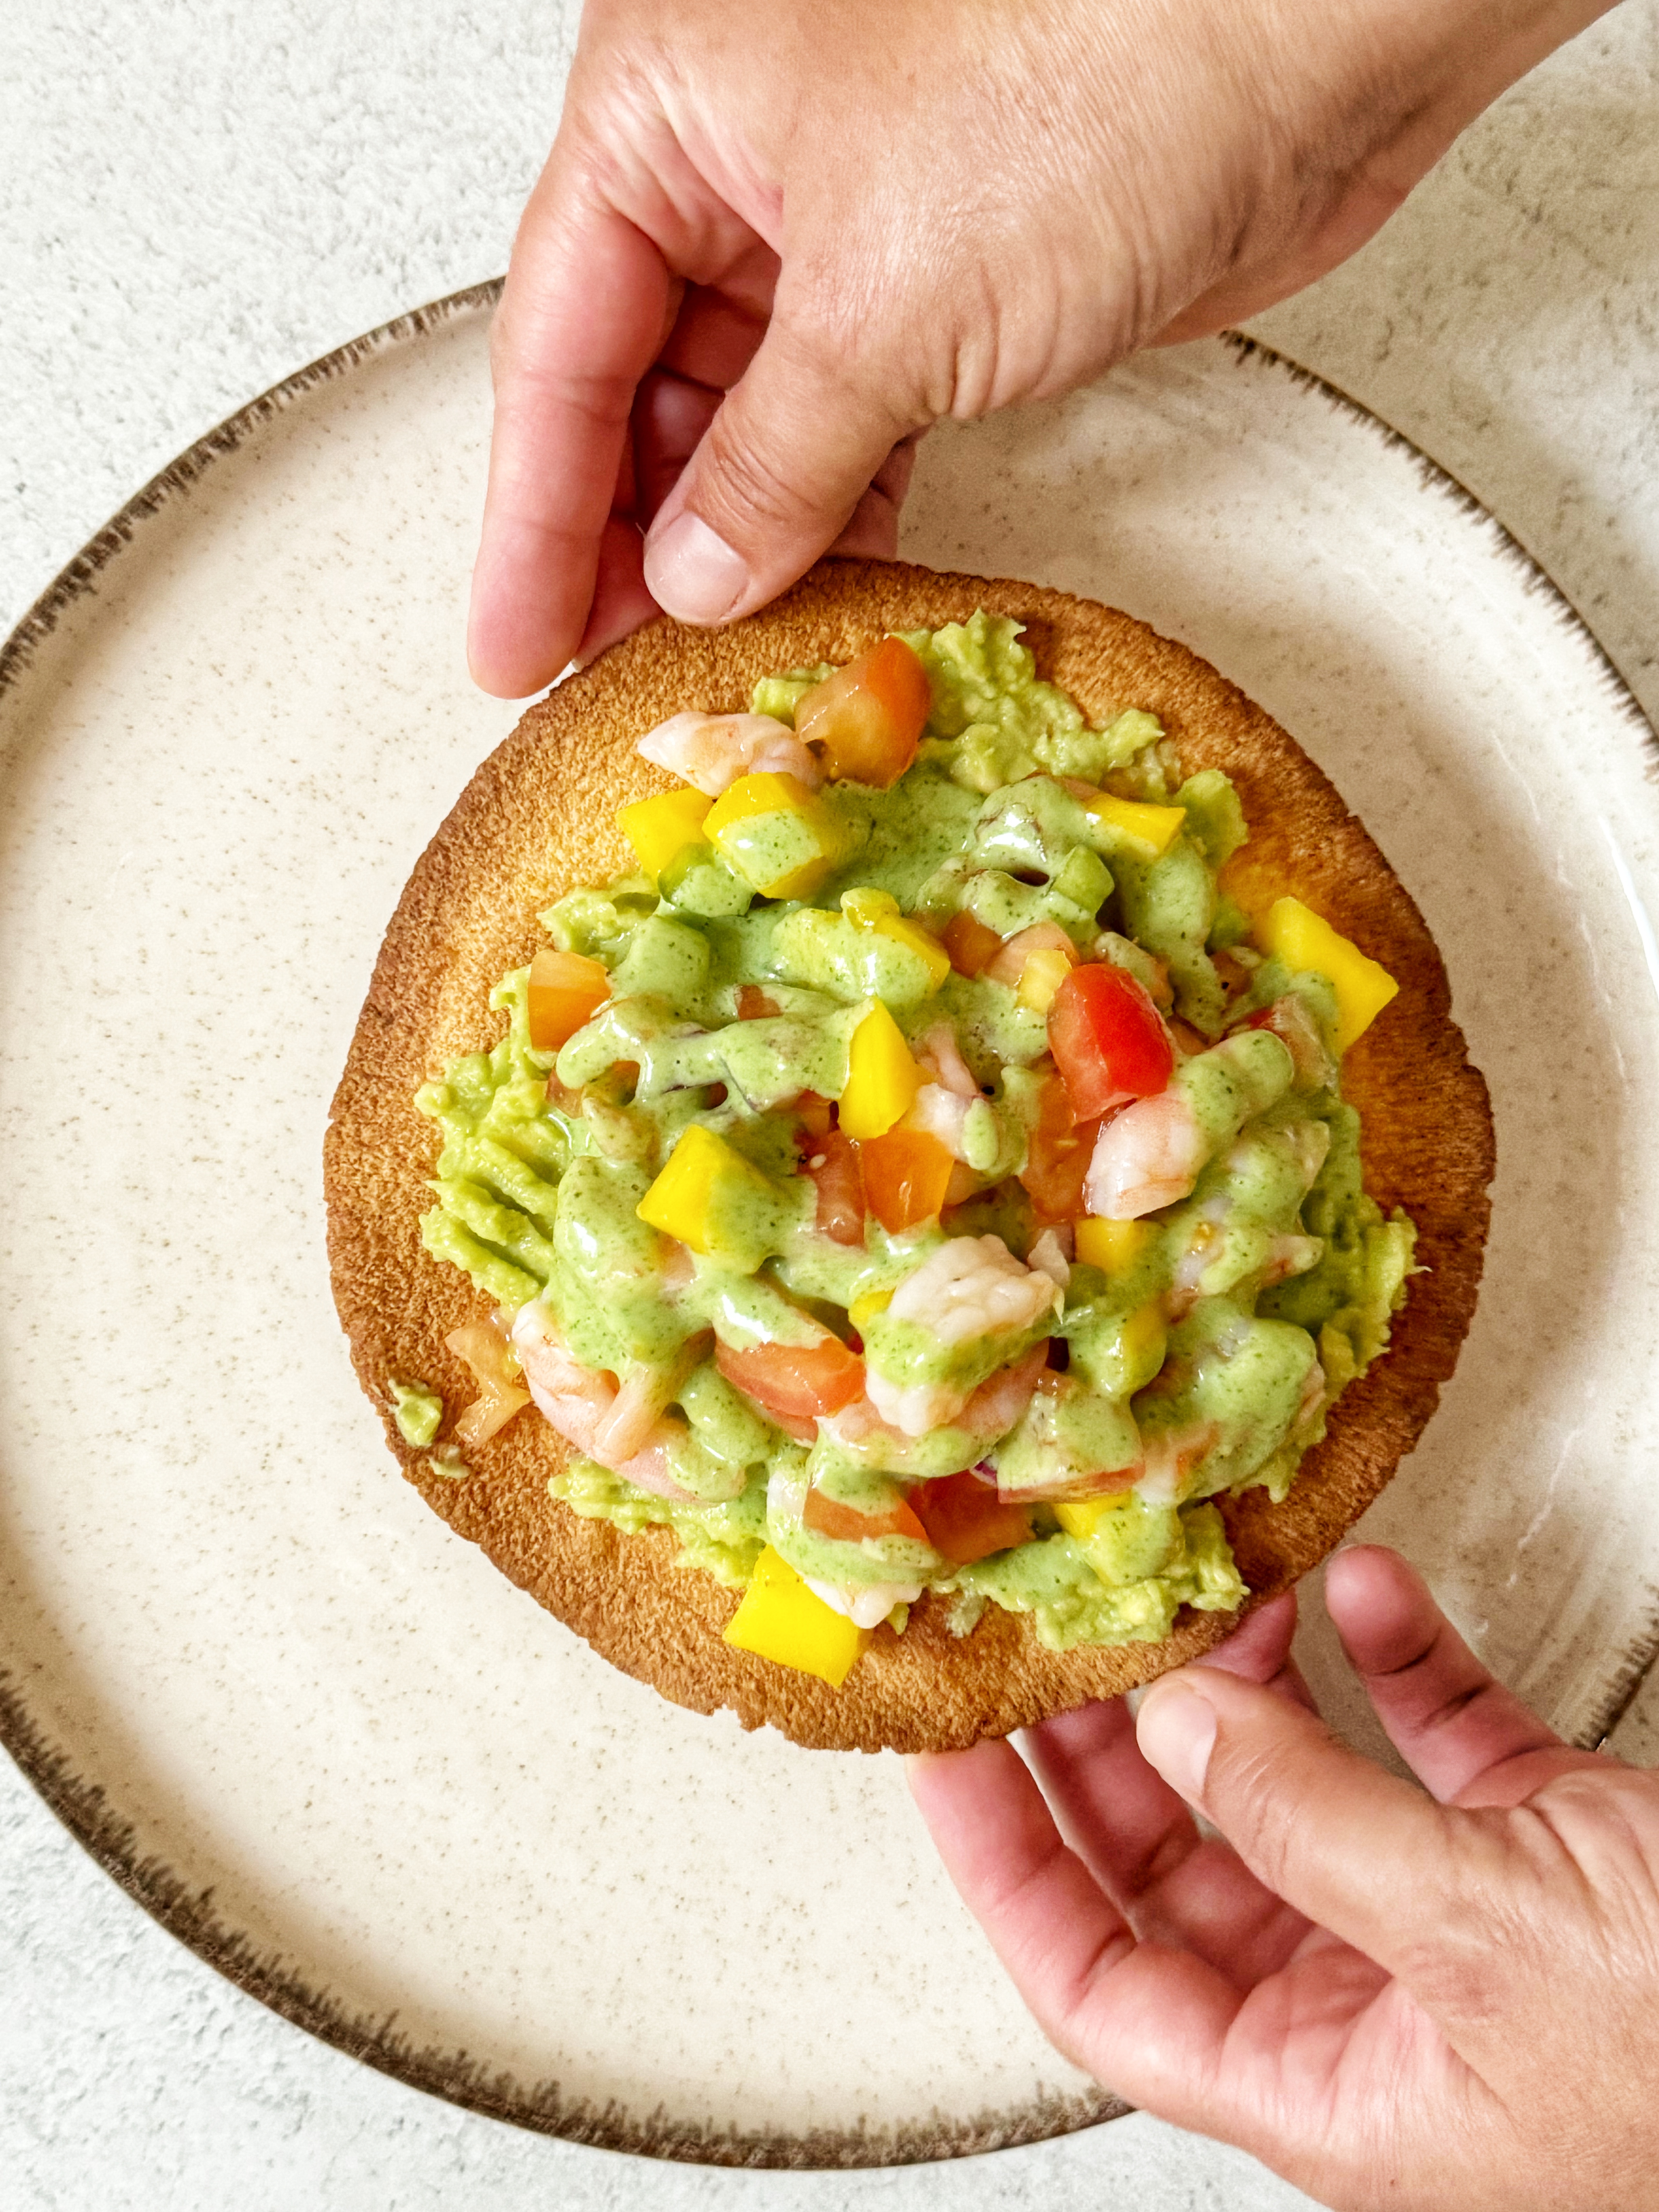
point(754, 1005)
point(566, 991)
point(906, 1175)
point(828, 1517)
point(971, 945)
point(795, 1382)
point(1108, 1039)
point(1057, 1156)
point(869, 716)
point(965, 1519)
point(832, 1164)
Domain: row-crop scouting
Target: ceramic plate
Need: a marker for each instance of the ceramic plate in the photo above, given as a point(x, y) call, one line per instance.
point(322, 1740)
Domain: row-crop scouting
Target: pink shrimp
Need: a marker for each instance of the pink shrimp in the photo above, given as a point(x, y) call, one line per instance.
point(711, 752)
point(1150, 1155)
point(588, 1411)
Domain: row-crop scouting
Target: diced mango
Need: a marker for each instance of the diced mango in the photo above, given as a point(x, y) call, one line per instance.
point(566, 990)
point(1081, 1517)
point(1144, 1340)
point(863, 1311)
point(1157, 826)
point(659, 828)
point(882, 1077)
point(869, 909)
point(781, 1620)
point(1112, 1246)
point(777, 836)
point(1044, 971)
point(709, 1197)
point(1304, 939)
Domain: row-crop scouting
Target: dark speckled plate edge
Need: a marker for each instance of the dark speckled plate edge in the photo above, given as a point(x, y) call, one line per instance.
point(188, 1913)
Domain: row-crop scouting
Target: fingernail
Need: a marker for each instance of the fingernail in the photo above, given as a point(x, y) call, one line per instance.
point(1176, 1729)
point(692, 573)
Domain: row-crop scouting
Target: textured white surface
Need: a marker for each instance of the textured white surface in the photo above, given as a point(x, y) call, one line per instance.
point(193, 204)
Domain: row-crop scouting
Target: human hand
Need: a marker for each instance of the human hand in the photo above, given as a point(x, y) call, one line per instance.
point(1393, 1999)
point(775, 239)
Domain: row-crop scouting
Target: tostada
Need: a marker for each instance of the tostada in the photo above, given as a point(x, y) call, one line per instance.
point(904, 1160)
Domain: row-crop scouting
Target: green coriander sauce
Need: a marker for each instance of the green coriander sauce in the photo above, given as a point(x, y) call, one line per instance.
point(1205, 1355)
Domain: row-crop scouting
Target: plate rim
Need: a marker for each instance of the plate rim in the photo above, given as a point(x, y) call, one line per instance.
point(111, 1840)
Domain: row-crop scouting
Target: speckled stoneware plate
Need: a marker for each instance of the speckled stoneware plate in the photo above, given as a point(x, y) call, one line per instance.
point(324, 1741)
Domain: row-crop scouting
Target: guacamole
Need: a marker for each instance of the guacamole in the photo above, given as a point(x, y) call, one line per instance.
point(920, 1175)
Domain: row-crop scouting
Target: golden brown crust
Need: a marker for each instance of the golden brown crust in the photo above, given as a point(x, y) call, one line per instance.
point(537, 819)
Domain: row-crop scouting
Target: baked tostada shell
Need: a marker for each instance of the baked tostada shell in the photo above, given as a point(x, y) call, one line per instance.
point(537, 819)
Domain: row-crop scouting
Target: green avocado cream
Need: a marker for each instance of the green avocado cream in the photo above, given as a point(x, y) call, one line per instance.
point(802, 1237)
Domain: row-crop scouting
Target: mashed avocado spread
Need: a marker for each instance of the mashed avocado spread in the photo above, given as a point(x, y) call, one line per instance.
point(920, 1173)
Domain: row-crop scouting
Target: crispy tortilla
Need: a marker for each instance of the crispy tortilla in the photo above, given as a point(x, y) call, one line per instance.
point(536, 820)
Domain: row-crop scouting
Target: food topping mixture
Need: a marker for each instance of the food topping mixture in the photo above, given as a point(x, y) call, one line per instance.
point(919, 1174)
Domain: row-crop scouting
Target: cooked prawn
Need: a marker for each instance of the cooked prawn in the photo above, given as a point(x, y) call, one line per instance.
point(712, 750)
point(982, 1416)
point(868, 1606)
point(967, 1287)
point(1150, 1155)
point(583, 1406)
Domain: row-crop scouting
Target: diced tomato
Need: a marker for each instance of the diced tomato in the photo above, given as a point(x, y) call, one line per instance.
point(566, 991)
point(814, 1115)
point(1057, 1156)
point(1013, 954)
point(966, 1519)
point(828, 1517)
point(754, 1005)
point(971, 945)
point(1108, 1039)
point(832, 1162)
point(795, 1382)
point(907, 1174)
point(869, 716)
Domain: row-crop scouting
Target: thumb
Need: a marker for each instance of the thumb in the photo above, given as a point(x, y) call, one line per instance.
point(792, 450)
point(1355, 1850)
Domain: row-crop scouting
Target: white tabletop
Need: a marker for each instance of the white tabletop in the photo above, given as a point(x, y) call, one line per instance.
point(194, 201)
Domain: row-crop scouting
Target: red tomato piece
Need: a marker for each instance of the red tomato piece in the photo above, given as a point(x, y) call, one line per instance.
point(1057, 1156)
point(795, 1382)
point(965, 1519)
point(753, 1004)
point(832, 1162)
point(828, 1517)
point(971, 945)
point(869, 716)
point(566, 991)
point(906, 1175)
point(1108, 1039)
point(813, 1114)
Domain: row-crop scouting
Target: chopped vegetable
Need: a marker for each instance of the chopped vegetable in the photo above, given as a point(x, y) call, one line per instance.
point(879, 911)
point(659, 828)
point(782, 1620)
point(832, 1162)
point(706, 1197)
point(971, 945)
point(1108, 1039)
point(907, 1173)
point(1304, 939)
point(775, 834)
point(845, 1524)
point(795, 1382)
point(1041, 978)
point(566, 991)
point(965, 1519)
point(484, 1349)
point(1057, 1155)
point(882, 1078)
point(1155, 827)
point(869, 716)
point(1112, 1246)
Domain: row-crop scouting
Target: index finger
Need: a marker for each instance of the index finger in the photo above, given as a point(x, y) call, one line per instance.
point(584, 311)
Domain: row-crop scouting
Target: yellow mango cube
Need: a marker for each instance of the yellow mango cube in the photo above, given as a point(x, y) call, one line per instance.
point(771, 831)
point(1112, 1246)
point(781, 1620)
point(867, 908)
point(1145, 1340)
point(1082, 1516)
point(659, 828)
point(1155, 826)
point(1304, 940)
point(863, 1310)
point(1044, 971)
point(709, 1197)
point(882, 1077)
